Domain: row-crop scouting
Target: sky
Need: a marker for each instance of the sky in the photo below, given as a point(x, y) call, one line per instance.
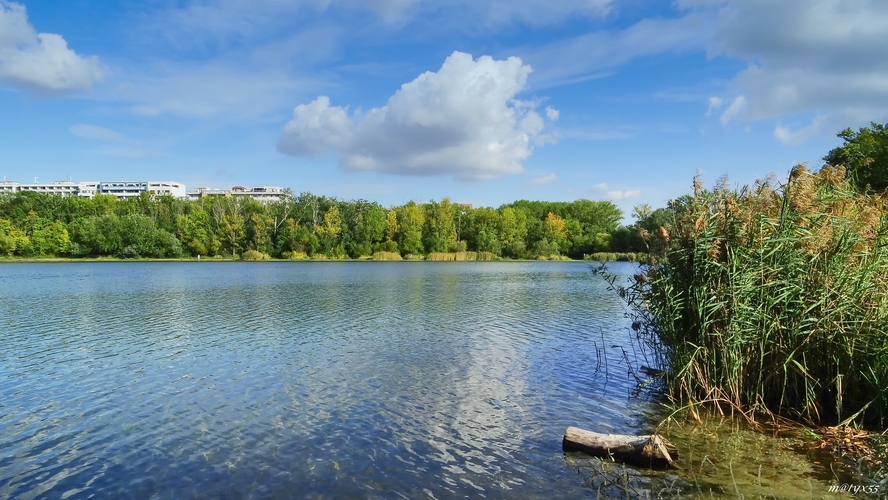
point(484, 102)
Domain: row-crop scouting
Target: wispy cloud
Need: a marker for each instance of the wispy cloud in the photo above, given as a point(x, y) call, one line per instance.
point(788, 136)
point(123, 146)
point(622, 195)
point(541, 181)
point(714, 104)
point(96, 132)
point(212, 89)
point(596, 54)
point(599, 133)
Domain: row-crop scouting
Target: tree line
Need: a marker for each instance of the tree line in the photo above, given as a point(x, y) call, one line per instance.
point(35, 224)
point(304, 225)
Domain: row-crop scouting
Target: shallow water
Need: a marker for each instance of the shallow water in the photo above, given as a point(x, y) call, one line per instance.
point(315, 380)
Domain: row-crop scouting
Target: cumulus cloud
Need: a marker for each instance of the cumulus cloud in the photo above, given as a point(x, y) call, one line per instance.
point(821, 56)
point(541, 181)
point(622, 195)
point(463, 120)
point(315, 127)
point(41, 62)
point(600, 187)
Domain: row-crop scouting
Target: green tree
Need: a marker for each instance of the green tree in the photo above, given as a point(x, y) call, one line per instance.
point(513, 232)
point(410, 222)
point(195, 233)
point(328, 232)
point(230, 232)
point(439, 234)
point(51, 239)
point(97, 235)
point(484, 230)
point(259, 231)
point(392, 227)
point(11, 238)
point(555, 232)
point(865, 155)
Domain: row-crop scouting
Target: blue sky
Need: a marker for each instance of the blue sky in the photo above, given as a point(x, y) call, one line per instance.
point(393, 100)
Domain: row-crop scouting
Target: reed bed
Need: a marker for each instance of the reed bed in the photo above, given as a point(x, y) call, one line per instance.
point(254, 255)
point(386, 256)
point(615, 257)
point(454, 256)
point(772, 300)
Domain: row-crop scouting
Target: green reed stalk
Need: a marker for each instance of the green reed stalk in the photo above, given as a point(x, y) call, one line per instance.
point(774, 301)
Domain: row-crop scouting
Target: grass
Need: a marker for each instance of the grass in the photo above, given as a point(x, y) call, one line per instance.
point(772, 300)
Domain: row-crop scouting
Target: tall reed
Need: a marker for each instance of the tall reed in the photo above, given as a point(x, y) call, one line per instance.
point(772, 300)
point(452, 256)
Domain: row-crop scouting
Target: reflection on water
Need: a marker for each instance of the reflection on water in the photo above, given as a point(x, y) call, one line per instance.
point(263, 380)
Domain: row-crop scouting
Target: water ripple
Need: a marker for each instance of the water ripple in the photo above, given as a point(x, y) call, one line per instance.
point(315, 380)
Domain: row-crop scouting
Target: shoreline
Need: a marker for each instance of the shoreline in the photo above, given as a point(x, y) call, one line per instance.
point(33, 260)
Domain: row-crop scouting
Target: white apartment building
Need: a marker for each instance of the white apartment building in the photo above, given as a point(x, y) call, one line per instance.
point(262, 194)
point(131, 189)
point(64, 188)
point(120, 189)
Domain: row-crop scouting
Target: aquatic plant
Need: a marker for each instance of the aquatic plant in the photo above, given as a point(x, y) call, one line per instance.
point(772, 300)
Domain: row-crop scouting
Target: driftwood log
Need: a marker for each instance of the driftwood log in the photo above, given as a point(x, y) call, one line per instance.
point(646, 451)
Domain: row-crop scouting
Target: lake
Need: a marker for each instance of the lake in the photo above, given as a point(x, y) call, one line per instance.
point(307, 380)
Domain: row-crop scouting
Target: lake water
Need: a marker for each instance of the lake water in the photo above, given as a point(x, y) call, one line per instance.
point(314, 380)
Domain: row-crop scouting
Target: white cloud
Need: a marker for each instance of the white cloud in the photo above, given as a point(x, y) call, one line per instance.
point(733, 110)
point(805, 56)
point(552, 113)
point(315, 127)
point(541, 181)
point(463, 120)
point(600, 187)
point(799, 136)
point(96, 132)
point(596, 54)
point(622, 195)
point(714, 104)
point(41, 62)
